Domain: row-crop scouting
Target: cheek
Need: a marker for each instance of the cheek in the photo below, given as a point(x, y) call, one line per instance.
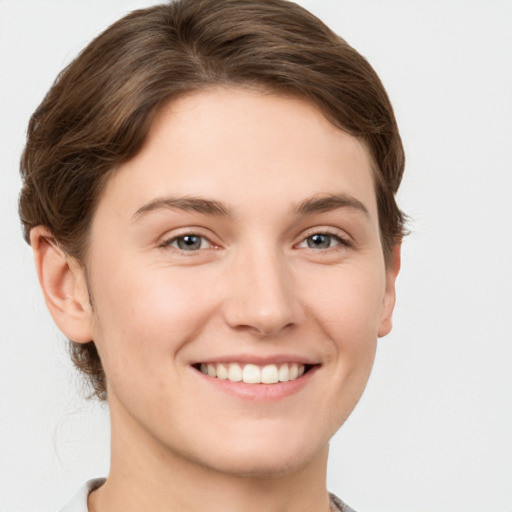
point(346, 305)
point(347, 301)
point(144, 315)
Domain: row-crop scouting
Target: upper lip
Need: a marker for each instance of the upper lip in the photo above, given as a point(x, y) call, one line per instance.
point(259, 360)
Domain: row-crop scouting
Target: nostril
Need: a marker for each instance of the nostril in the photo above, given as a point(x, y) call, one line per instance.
point(272, 328)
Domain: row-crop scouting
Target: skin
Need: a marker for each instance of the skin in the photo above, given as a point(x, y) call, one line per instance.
point(255, 289)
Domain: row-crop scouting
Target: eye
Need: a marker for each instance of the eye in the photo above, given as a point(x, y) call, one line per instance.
point(188, 242)
point(322, 241)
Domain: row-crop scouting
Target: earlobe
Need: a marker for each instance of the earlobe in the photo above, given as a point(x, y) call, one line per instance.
point(388, 305)
point(64, 286)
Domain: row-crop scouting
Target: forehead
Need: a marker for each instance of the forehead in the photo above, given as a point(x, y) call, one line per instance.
point(240, 145)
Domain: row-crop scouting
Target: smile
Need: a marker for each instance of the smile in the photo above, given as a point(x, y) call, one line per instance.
point(254, 374)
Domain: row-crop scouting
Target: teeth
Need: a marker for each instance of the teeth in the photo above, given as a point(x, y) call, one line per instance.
point(234, 372)
point(212, 370)
point(254, 374)
point(269, 374)
point(284, 373)
point(222, 372)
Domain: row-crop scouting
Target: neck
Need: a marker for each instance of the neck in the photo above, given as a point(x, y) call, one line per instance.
point(147, 476)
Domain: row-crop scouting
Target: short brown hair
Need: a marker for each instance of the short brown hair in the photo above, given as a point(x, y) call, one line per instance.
point(98, 112)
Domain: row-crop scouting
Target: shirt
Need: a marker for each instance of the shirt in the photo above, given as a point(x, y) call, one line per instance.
point(79, 501)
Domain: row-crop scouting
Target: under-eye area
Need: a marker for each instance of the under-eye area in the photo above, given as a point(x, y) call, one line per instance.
point(255, 374)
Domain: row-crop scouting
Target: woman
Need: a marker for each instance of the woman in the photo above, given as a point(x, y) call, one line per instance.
point(209, 195)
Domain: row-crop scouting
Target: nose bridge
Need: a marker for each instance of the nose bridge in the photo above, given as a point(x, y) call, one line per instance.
point(261, 296)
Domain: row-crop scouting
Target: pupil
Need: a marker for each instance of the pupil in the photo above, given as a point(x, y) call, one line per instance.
point(316, 241)
point(189, 242)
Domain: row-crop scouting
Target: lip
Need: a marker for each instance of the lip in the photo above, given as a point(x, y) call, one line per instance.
point(258, 392)
point(259, 360)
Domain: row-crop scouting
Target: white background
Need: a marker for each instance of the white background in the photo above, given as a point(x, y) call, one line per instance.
point(433, 432)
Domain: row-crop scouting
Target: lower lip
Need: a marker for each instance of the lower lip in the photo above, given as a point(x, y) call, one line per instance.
point(260, 392)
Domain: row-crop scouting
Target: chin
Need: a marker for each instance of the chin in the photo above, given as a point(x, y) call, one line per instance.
point(262, 465)
point(266, 456)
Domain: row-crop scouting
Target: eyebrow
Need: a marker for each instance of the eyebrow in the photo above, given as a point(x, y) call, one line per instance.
point(187, 203)
point(219, 209)
point(329, 203)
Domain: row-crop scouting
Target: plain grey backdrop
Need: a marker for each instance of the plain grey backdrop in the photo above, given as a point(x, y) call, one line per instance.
point(433, 431)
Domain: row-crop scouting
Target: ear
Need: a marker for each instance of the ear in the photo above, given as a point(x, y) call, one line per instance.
point(64, 286)
point(388, 302)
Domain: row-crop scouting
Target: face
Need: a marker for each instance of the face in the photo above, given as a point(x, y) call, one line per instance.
point(240, 245)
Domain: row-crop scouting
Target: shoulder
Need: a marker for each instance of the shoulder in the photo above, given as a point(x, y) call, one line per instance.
point(79, 501)
point(338, 506)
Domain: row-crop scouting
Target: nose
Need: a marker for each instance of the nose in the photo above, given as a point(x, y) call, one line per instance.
point(260, 295)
